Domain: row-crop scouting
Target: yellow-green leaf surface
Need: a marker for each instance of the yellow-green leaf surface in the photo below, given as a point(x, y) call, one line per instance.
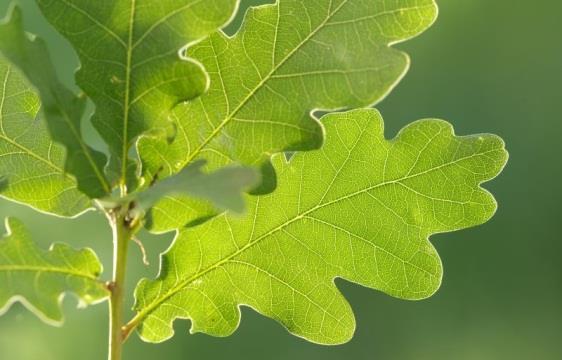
point(361, 209)
point(39, 279)
point(289, 59)
point(62, 109)
point(31, 162)
point(131, 67)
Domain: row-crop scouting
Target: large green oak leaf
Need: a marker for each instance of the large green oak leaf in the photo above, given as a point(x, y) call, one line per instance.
point(39, 279)
point(130, 62)
point(361, 209)
point(289, 60)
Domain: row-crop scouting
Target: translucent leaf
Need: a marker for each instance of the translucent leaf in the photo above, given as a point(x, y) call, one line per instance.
point(361, 209)
point(63, 110)
point(31, 162)
point(39, 279)
point(288, 60)
point(131, 67)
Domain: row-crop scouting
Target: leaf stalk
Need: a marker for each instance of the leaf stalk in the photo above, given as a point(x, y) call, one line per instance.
point(124, 230)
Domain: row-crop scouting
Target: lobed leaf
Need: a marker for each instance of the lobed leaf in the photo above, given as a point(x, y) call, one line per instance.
point(30, 161)
point(131, 68)
point(362, 209)
point(39, 279)
point(63, 110)
point(289, 59)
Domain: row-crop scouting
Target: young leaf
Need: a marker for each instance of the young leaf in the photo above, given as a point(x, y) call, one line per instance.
point(289, 59)
point(224, 187)
point(360, 209)
point(39, 279)
point(130, 63)
point(63, 110)
point(32, 163)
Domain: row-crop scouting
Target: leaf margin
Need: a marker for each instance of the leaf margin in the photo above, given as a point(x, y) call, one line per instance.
point(10, 223)
point(139, 316)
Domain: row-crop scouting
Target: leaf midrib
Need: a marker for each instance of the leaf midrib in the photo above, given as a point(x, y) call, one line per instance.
point(178, 287)
point(130, 45)
point(4, 86)
point(42, 269)
point(126, 110)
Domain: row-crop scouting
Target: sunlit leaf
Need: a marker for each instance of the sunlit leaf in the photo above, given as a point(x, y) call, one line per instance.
point(30, 161)
point(361, 209)
point(289, 59)
point(130, 62)
point(39, 278)
point(63, 110)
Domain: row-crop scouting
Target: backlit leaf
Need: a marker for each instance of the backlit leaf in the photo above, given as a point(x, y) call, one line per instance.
point(131, 67)
point(39, 279)
point(31, 162)
point(362, 209)
point(288, 60)
point(63, 110)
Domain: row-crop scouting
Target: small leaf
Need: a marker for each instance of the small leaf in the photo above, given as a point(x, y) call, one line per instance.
point(31, 162)
point(360, 209)
point(224, 187)
point(63, 110)
point(288, 60)
point(39, 278)
point(131, 68)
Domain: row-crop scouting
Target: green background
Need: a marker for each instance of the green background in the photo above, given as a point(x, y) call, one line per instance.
point(486, 66)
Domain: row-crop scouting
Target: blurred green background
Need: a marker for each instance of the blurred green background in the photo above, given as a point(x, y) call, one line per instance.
point(486, 66)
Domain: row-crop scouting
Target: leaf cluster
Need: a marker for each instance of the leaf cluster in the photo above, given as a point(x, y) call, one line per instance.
point(197, 125)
